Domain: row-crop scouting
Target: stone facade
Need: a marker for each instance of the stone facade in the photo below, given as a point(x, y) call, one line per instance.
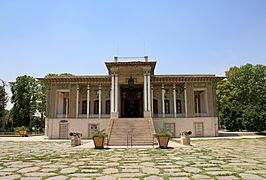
point(131, 90)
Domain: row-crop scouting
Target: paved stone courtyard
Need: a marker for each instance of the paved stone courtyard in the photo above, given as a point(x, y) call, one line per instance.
point(206, 159)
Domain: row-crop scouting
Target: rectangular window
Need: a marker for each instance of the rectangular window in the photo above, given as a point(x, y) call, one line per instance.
point(155, 106)
point(63, 131)
point(197, 103)
point(96, 107)
point(199, 129)
point(170, 127)
point(178, 106)
point(84, 107)
point(167, 106)
point(107, 107)
point(92, 128)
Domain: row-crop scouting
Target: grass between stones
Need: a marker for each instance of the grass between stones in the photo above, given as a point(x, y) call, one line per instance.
point(207, 158)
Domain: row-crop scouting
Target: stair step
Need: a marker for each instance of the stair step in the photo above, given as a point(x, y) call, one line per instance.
point(140, 129)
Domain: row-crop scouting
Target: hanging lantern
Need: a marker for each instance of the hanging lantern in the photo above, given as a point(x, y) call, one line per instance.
point(130, 82)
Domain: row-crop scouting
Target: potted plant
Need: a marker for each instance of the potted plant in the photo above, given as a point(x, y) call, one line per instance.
point(98, 138)
point(22, 131)
point(163, 136)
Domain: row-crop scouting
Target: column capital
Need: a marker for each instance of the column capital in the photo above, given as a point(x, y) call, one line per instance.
point(77, 87)
point(147, 73)
point(88, 87)
point(174, 86)
point(162, 86)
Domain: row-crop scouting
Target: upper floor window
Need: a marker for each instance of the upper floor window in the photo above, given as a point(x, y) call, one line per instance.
point(107, 107)
point(96, 107)
point(155, 106)
point(84, 107)
point(166, 107)
point(178, 106)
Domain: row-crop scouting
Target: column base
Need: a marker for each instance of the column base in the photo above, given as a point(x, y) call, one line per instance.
point(114, 115)
point(147, 114)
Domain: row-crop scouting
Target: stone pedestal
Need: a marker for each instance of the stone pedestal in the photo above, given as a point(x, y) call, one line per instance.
point(114, 115)
point(185, 140)
point(147, 114)
point(75, 139)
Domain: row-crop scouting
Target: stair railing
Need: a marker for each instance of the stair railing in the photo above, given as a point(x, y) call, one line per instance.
point(129, 138)
point(127, 141)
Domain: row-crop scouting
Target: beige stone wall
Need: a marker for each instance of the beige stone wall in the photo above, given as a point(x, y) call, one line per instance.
point(74, 125)
point(210, 125)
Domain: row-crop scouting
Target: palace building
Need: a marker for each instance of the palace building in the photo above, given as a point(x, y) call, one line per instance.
point(131, 102)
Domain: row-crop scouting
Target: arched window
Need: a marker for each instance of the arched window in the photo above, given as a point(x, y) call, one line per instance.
point(96, 107)
point(178, 106)
point(155, 106)
point(107, 107)
point(84, 107)
point(166, 107)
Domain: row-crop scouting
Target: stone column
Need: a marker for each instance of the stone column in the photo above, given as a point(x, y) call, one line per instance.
point(174, 96)
point(152, 99)
point(100, 100)
point(149, 92)
point(112, 94)
point(163, 106)
point(116, 94)
point(88, 101)
point(114, 97)
point(145, 92)
point(66, 107)
point(185, 99)
point(77, 102)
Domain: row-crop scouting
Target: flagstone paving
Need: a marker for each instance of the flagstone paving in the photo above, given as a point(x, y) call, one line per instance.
point(206, 159)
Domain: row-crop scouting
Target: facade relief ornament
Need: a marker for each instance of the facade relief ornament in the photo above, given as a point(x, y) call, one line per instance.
point(62, 86)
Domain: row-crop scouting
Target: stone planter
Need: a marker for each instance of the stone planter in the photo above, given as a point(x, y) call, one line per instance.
point(163, 141)
point(98, 142)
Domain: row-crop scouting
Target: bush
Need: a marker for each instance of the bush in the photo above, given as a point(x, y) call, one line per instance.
point(163, 132)
point(21, 128)
point(99, 133)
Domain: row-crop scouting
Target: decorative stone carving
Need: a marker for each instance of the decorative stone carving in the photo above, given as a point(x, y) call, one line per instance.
point(62, 86)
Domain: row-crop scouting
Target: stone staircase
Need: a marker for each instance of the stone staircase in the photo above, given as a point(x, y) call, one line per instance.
point(141, 131)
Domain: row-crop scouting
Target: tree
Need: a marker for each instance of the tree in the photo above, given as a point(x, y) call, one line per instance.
point(242, 98)
point(24, 96)
point(3, 101)
point(41, 105)
point(62, 74)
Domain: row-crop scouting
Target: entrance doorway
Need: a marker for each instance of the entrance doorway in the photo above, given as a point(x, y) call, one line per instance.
point(131, 102)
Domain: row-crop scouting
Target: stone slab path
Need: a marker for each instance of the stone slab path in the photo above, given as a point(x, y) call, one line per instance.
point(206, 159)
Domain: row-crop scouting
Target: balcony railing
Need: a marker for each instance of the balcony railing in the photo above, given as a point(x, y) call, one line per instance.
point(84, 116)
point(169, 115)
point(183, 115)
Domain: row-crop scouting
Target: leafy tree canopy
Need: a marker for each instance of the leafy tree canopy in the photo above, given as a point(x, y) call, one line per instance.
point(24, 97)
point(3, 100)
point(242, 98)
point(62, 74)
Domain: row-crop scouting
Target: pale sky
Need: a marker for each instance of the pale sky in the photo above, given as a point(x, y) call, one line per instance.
point(188, 36)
